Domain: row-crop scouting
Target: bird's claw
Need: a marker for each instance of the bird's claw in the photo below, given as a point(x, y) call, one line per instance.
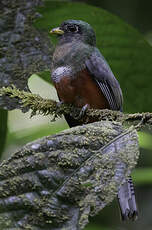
point(82, 112)
point(58, 105)
point(58, 110)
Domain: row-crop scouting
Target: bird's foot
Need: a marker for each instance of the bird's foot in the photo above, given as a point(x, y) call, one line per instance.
point(58, 110)
point(82, 112)
point(59, 104)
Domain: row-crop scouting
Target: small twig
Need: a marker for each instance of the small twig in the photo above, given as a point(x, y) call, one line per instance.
point(141, 123)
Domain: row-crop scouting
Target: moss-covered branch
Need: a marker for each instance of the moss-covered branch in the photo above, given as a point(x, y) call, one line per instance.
point(39, 105)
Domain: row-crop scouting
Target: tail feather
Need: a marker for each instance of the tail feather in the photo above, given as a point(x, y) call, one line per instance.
point(127, 202)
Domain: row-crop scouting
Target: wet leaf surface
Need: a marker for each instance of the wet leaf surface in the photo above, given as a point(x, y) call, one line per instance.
point(59, 181)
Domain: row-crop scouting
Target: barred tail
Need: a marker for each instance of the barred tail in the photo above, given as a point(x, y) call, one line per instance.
point(127, 202)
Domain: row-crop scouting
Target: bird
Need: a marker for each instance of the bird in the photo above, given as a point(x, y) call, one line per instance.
point(83, 78)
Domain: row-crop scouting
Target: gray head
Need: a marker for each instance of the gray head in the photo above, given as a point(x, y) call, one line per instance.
point(71, 30)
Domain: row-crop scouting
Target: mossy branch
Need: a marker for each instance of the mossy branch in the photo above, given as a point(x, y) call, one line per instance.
point(45, 107)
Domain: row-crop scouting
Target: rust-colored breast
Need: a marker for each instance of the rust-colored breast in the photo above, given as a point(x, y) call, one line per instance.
point(81, 90)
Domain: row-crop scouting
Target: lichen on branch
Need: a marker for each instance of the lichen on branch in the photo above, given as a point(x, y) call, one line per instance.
point(24, 50)
point(39, 105)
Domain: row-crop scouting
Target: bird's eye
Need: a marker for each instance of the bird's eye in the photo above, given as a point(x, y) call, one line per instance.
point(73, 28)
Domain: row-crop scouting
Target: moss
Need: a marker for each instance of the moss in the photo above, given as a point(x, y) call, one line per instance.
point(74, 173)
point(31, 49)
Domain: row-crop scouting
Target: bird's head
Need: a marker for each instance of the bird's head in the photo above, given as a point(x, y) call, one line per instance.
point(71, 30)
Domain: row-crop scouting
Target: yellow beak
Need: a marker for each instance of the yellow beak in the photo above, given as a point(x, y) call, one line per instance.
point(57, 31)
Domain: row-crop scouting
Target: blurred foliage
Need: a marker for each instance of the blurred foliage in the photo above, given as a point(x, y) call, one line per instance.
point(3, 129)
point(22, 137)
point(125, 49)
point(142, 176)
point(94, 227)
point(145, 140)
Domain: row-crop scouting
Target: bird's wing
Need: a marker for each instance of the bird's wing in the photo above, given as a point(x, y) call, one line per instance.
point(101, 72)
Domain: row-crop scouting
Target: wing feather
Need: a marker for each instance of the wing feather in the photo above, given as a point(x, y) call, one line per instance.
point(100, 70)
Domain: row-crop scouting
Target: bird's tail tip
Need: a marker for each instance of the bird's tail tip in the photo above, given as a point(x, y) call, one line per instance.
point(127, 202)
point(129, 215)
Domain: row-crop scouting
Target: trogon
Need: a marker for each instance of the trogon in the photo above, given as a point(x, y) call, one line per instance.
point(82, 77)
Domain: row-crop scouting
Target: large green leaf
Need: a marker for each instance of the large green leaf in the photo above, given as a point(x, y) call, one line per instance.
point(3, 129)
point(127, 52)
point(58, 181)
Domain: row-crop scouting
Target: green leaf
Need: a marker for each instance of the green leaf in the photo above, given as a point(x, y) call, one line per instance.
point(145, 140)
point(142, 176)
point(3, 129)
point(46, 76)
point(128, 54)
point(24, 136)
point(43, 183)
